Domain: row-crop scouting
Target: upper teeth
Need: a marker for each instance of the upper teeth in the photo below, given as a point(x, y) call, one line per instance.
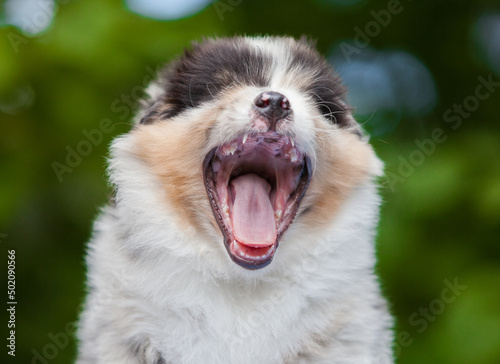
point(293, 155)
point(230, 148)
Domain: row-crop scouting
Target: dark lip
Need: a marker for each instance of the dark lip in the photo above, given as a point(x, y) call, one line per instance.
point(250, 265)
point(295, 198)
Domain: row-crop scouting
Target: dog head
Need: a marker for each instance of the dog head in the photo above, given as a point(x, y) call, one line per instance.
point(247, 138)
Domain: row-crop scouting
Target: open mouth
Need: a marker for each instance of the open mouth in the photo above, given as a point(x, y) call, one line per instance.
point(255, 184)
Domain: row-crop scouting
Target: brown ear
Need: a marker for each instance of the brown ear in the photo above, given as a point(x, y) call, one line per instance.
point(158, 111)
point(150, 116)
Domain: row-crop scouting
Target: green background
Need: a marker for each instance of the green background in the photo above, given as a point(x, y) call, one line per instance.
point(440, 223)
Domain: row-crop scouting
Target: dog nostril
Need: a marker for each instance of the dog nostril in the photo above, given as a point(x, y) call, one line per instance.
point(285, 104)
point(262, 101)
point(272, 100)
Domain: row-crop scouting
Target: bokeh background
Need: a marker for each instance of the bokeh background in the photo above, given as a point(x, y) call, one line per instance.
point(424, 77)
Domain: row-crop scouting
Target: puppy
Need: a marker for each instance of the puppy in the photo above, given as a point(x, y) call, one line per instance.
point(242, 227)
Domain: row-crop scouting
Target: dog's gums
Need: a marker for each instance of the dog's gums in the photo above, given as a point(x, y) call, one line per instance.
point(255, 184)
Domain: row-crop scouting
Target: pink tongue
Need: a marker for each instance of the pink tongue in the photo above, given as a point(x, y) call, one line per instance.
point(252, 212)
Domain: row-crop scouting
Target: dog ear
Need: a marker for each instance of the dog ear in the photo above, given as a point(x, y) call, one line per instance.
point(152, 104)
point(309, 42)
point(151, 115)
point(157, 111)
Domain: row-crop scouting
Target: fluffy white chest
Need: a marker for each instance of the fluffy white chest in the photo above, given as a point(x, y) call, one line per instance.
point(246, 327)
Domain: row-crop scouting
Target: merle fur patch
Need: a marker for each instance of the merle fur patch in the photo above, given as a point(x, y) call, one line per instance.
point(217, 65)
point(210, 68)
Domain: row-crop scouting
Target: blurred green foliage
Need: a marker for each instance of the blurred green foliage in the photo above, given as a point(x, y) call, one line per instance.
point(440, 224)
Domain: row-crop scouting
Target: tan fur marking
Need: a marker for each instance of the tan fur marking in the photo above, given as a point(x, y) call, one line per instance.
point(174, 151)
point(343, 162)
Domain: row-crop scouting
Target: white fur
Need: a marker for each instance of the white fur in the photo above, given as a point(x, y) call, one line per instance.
point(191, 311)
point(176, 295)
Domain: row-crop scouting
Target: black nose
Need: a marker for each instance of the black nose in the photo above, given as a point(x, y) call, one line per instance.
point(274, 106)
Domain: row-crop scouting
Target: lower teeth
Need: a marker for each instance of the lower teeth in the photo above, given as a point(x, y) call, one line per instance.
point(238, 250)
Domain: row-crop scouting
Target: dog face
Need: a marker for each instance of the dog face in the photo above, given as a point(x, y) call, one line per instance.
point(247, 137)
